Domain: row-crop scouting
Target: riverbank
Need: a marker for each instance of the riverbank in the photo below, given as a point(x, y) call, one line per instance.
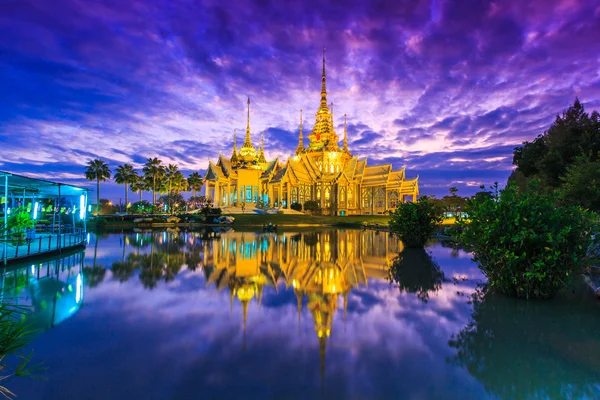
point(251, 219)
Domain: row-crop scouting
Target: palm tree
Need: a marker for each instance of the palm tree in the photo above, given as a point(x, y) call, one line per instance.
point(170, 171)
point(154, 171)
point(97, 170)
point(195, 182)
point(125, 175)
point(138, 184)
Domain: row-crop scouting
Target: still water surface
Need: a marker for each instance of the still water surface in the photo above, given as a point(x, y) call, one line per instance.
point(333, 314)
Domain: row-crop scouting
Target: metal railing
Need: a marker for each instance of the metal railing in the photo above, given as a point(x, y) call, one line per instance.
point(45, 242)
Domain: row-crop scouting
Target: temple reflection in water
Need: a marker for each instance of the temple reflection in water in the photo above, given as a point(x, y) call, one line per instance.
point(320, 266)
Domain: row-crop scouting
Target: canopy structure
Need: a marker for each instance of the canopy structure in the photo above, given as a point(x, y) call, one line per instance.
point(20, 185)
point(62, 207)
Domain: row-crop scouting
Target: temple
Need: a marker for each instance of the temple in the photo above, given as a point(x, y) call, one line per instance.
point(322, 171)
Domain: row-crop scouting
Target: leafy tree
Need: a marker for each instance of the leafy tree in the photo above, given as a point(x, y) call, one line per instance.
point(415, 222)
point(126, 175)
point(526, 245)
point(154, 172)
point(581, 184)
point(573, 134)
point(97, 170)
point(195, 183)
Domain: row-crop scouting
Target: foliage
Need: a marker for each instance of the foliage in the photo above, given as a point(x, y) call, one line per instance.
point(197, 202)
point(296, 206)
point(97, 170)
point(138, 185)
point(313, 206)
point(126, 175)
point(548, 157)
point(524, 244)
point(154, 172)
point(15, 332)
point(195, 183)
point(174, 201)
point(581, 184)
point(18, 221)
point(529, 350)
point(414, 271)
point(415, 222)
point(141, 207)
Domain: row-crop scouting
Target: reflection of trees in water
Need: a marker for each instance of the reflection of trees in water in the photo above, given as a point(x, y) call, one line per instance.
point(94, 275)
point(168, 252)
point(416, 272)
point(531, 350)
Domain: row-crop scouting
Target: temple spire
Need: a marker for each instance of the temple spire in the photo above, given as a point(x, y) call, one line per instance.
point(247, 152)
point(345, 135)
point(323, 85)
point(300, 148)
point(234, 154)
point(248, 125)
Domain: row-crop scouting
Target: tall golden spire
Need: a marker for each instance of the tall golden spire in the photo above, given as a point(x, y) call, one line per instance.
point(247, 152)
point(248, 125)
point(323, 85)
point(300, 148)
point(234, 154)
point(345, 136)
point(261, 153)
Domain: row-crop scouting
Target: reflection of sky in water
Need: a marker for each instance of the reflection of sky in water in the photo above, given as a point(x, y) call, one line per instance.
point(184, 340)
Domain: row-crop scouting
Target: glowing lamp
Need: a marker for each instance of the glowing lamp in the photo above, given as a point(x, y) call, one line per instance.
point(82, 207)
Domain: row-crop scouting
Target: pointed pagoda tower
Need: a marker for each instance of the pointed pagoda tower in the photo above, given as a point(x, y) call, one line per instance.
point(300, 149)
point(323, 136)
point(234, 154)
point(248, 152)
point(261, 154)
point(345, 148)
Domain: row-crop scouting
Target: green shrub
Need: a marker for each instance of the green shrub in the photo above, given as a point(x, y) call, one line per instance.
point(296, 206)
point(18, 221)
point(312, 206)
point(526, 245)
point(415, 222)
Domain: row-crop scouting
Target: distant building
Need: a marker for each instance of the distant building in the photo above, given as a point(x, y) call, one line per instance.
point(341, 183)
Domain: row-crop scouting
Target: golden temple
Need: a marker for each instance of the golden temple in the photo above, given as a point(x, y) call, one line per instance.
point(338, 181)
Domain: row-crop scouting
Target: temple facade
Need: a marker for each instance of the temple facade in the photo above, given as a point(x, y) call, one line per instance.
point(322, 171)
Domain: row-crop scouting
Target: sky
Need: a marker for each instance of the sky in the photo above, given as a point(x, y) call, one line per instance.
point(446, 87)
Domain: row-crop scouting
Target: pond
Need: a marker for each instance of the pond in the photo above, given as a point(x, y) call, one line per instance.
point(320, 313)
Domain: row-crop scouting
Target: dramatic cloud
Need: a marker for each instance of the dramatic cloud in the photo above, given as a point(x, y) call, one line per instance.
point(446, 87)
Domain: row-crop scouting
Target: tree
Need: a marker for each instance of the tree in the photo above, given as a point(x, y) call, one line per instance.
point(524, 244)
point(97, 170)
point(195, 183)
point(547, 158)
point(138, 184)
point(154, 171)
point(415, 222)
point(581, 184)
point(126, 175)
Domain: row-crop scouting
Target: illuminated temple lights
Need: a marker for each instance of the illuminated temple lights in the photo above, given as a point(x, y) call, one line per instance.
point(340, 182)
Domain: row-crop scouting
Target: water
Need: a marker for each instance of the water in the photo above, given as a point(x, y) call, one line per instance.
point(296, 315)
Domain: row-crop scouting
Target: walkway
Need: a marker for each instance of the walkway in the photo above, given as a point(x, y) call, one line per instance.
point(43, 243)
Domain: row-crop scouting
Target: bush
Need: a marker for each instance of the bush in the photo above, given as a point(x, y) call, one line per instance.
point(526, 245)
point(415, 222)
point(312, 206)
point(296, 206)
